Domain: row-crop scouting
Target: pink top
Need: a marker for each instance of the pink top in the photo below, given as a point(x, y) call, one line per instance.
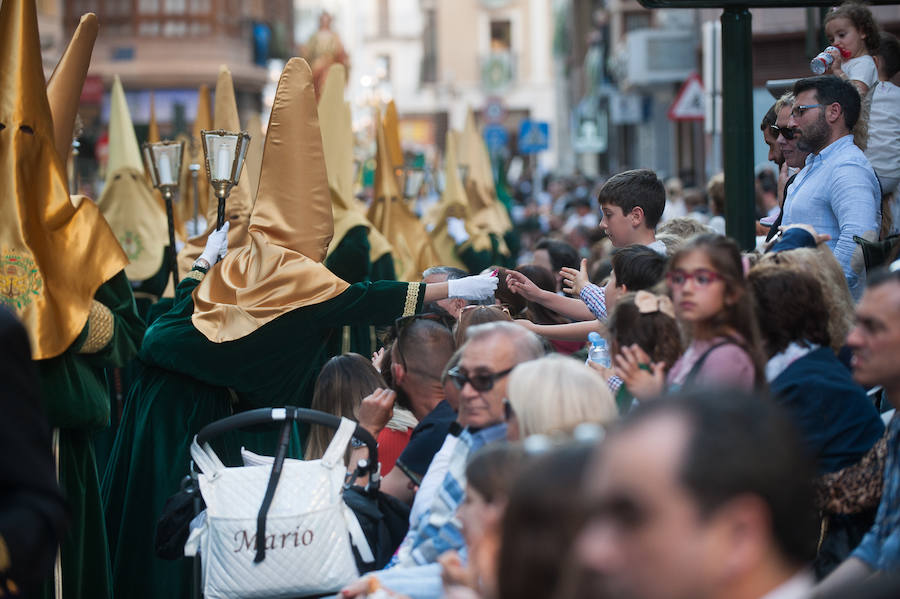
point(728, 365)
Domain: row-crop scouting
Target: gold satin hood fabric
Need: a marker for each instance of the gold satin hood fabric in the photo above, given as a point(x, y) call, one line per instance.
point(487, 213)
point(193, 154)
point(412, 249)
point(53, 255)
point(240, 200)
point(392, 135)
point(337, 144)
point(453, 203)
point(290, 226)
point(128, 202)
point(66, 82)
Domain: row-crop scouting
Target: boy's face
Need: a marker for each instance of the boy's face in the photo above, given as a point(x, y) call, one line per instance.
point(619, 227)
point(612, 292)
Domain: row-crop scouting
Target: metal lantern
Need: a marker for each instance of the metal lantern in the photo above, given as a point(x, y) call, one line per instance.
point(163, 161)
point(224, 153)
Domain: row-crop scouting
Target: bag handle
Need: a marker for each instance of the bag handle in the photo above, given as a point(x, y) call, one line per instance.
point(205, 458)
point(338, 445)
point(277, 467)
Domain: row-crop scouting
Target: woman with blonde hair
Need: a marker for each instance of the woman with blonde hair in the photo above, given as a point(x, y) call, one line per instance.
point(554, 394)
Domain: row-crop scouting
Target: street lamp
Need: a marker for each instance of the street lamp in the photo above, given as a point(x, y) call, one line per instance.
point(224, 152)
point(163, 161)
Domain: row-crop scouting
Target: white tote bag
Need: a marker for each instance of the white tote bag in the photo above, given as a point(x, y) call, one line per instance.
point(308, 528)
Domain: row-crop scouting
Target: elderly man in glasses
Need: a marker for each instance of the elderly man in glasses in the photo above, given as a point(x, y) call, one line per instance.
point(490, 353)
point(836, 192)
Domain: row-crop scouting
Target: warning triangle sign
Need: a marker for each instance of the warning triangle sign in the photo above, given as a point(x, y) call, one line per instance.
point(690, 103)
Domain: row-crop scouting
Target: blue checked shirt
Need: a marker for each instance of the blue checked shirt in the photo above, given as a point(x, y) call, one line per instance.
point(880, 548)
point(594, 298)
point(837, 193)
point(438, 529)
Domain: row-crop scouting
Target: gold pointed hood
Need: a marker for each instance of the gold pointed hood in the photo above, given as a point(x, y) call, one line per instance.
point(128, 202)
point(240, 200)
point(66, 82)
point(453, 203)
point(392, 135)
point(486, 212)
point(253, 160)
point(412, 249)
point(153, 127)
point(53, 255)
point(337, 143)
point(193, 154)
point(290, 226)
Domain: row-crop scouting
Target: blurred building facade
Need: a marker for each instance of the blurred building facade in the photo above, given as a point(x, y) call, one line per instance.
point(437, 58)
point(167, 48)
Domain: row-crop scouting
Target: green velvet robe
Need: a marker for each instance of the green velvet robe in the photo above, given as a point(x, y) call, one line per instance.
point(350, 261)
point(76, 397)
point(146, 294)
point(188, 382)
point(477, 261)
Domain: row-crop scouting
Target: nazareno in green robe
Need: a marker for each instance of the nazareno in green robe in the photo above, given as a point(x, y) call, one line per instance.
point(187, 382)
point(76, 397)
point(120, 379)
point(478, 261)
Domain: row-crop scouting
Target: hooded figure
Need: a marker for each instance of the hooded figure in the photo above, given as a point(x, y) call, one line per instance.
point(350, 248)
point(132, 208)
point(240, 200)
point(413, 252)
point(193, 154)
point(249, 331)
point(62, 274)
point(486, 213)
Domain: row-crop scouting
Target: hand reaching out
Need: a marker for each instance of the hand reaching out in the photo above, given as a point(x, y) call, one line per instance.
point(575, 280)
point(641, 383)
point(378, 359)
point(522, 285)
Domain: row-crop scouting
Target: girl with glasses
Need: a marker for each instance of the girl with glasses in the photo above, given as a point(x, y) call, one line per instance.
point(709, 292)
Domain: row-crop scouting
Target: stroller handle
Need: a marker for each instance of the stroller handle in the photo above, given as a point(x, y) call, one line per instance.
point(266, 415)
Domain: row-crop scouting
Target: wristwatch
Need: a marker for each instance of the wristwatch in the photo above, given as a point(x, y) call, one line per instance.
point(201, 263)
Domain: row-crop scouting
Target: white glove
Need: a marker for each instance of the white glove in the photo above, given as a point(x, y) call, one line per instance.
point(478, 287)
point(456, 228)
point(216, 245)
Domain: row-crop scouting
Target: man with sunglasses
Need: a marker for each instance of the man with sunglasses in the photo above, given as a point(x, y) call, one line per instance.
point(489, 355)
point(836, 192)
point(792, 158)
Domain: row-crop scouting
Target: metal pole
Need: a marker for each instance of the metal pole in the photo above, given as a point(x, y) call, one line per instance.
point(220, 216)
point(167, 194)
point(737, 126)
point(195, 173)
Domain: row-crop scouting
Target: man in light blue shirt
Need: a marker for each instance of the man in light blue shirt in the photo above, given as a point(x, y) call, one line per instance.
point(836, 192)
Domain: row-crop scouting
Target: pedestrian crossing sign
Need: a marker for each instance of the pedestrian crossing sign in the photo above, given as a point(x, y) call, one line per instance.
point(534, 137)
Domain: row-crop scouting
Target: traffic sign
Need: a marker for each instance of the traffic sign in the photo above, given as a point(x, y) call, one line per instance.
point(494, 112)
point(496, 137)
point(690, 103)
point(534, 137)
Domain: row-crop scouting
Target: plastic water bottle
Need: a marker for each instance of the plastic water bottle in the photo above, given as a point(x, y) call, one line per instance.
point(820, 63)
point(598, 353)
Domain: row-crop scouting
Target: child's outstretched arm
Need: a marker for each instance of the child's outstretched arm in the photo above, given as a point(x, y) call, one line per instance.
point(573, 331)
point(567, 306)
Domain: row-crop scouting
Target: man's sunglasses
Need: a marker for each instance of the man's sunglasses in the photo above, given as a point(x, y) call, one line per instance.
point(479, 382)
point(787, 132)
